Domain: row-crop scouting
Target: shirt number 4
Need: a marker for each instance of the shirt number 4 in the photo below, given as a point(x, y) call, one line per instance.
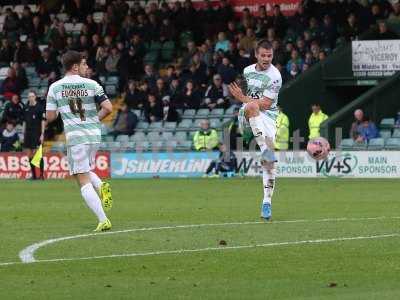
point(76, 107)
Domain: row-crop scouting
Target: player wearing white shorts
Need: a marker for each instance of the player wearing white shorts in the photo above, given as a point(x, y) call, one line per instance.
point(259, 112)
point(76, 98)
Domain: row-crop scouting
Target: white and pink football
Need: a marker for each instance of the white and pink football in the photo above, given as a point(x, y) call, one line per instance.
point(318, 148)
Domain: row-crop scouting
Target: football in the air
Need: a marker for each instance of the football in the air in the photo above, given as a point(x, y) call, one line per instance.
point(318, 148)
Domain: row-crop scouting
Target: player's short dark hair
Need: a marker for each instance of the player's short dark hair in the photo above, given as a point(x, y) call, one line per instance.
point(71, 58)
point(264, 44)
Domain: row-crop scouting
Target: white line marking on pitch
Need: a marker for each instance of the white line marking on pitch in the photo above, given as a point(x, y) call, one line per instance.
point(181, 251)
point(27, 255)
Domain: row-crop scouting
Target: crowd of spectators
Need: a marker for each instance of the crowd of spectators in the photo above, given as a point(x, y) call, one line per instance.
point(207, 54)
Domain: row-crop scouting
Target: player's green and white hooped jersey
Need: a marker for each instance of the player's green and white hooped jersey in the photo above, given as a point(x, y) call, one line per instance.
point(75, 98)
point(264, 84)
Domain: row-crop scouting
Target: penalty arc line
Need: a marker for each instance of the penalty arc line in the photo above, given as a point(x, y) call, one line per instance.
point(182, 251)
point(27, 254)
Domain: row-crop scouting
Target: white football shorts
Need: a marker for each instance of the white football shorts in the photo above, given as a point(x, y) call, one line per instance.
point(81, 158)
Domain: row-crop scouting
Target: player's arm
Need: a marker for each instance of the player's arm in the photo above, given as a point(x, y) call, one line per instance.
point(105, 109)
point(51, 107)
point(264, 103)
point(102, 100)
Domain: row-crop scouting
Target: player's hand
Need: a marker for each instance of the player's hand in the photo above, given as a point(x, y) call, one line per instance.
point(236, 91)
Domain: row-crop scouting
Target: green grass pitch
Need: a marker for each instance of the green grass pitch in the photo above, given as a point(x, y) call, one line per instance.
point(325, 209)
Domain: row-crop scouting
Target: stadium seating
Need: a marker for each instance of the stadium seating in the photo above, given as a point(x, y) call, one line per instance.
point(392, 144)
point(376, 144)
point(387, 123)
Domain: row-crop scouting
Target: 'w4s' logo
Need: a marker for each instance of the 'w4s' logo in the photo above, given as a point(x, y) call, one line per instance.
point(337, 166)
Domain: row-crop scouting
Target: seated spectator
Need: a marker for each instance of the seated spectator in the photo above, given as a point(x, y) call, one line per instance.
point(134, 96)
point(190, 96)
point(366, 131)
point(20, 75)
point(242, 61)
point(9, 139)
point(222, 43)
point(32, 52)
point(169, 75)
point(160, 91)
point(45, 65)
point(247, 42)
point(397, 122)
point(6, 52)
point(227, 71)
point(198, 71)
point(153, 109)
point(125, 121)
point(14, 110)
point(358, 118)
point(112, 61)
point(384, 33)
point(92, 75)
point(293, 72)
point(216, 94)
point(10, 85)
point(206, 138)
point(351, 29)
point(174, 92)
point(294, 59)
point(169, 111)
point(226, 162)
point(150, 76)
point(101, 57)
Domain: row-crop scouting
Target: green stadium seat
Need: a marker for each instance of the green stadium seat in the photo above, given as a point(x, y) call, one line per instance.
point(111, 90)
point(142, 126)
point(153, 136)
point(30, 71)
point(385, 134)
point(185, 145)
point(184, 38)
point(185, 124)
point(180, 111)
point(202, 113)
point(191, 134)
point(151, 58)
point(113, 146)
point(230, 111)
point(387, 123)
point(189, 113)
point(138, 136)
point(396, 133)
point(215, 123)
point(109, 138)
point(171, 145)
point(167, 51)
point(142, 146)
point(112, 80)
point(376, 144)
point(392, 144)
point(181, 136)
point(125, 145)
point(217, 112)
point(122, 138)
point(346, 144)
point(167, 136)
point(169, 126)
point(34, 82)
point(156, 125)
point(359, 146)
point(157, 145)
